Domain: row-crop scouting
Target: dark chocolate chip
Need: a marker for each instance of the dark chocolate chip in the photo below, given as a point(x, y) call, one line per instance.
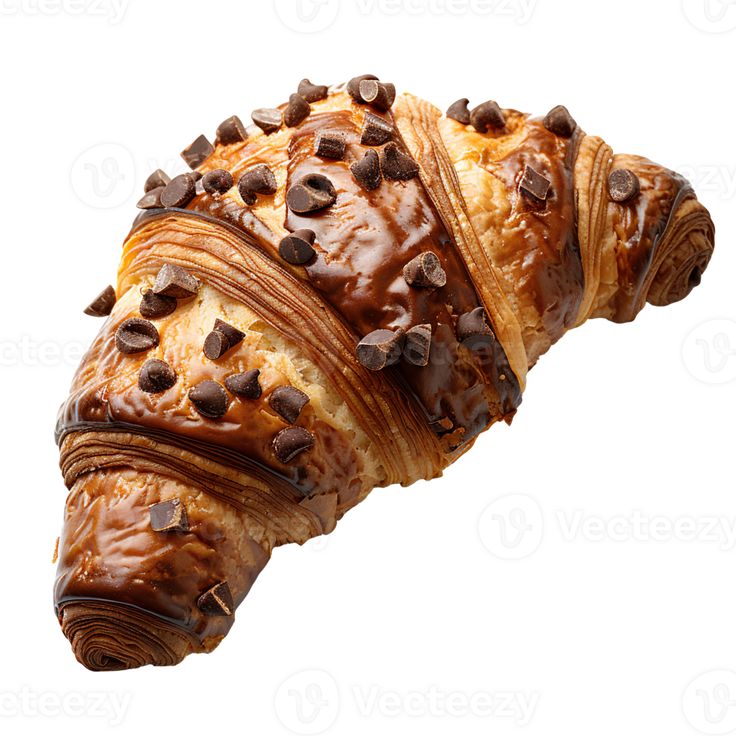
point(296, 248)
point(156, 376)
point(380, 348)
point(417, 344)
point(151, 200)
point(155, 306)
point(215, 345)
point(169, 516)
point(258, 179)
point(197, 152)
point(381, 96)
point(173, 280)
point(289, 442)
point(179, 191)
point(209, 399)
point(487, 115)
point(534, 185)
point(288, 402)
point(231, 131)
point(136, 335)
point(102, 304)
point(330, 144)
point(217, 601)
point(376, 130)
point(623, 185)
point(157, 179)
point(311, 193)
point(245, 384)
point(312, 92)
point(397, 165)
point(459, 111)
point(473, 325)
point(367, 171)
point(559, 121)
point(233, 334)
point(353, 86)
point(218, 181)
point(425, 270)
point(269, 120)
point(296, 111)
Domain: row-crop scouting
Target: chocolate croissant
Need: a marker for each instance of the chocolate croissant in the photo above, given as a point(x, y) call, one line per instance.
point(341, 296)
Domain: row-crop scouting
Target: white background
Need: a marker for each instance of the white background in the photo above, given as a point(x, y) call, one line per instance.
point(616, 613)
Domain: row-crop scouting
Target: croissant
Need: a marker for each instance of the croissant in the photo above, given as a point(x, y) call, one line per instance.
point(342, 296)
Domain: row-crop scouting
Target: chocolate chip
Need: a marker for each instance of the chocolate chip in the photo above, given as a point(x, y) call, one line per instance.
point(330, 144)
point(157, 179)
point(425, 270)
point(233, 334)
point(197, 152)
point(209, 399)
point(311, 193)
point(459, 111)
point(376, 130)
point(288, 402)
point(155, 306)
point(417, 344)
point(442, 425)
point(258, 179)
point(397, 165)
point(381, 96)
point(472, 325)
point(151, 200)
point(353, 86)
point(215, 345)
point(296, 248)
point(173, 280)
point(380, 348)
point(296, 111)
point(534, 185)
point(367, 171)
point(289, 442)
point(135, 336)
point(231, 131)
point(623, 185)
point(179, 191)
point(559, 121)
point(217, 601)
point(169, 516)
point(156, 376)
point(218, 181)
point(102, 304)
point(245, 384)
point(312, 92)
point(269, 120)
point(487, 115)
